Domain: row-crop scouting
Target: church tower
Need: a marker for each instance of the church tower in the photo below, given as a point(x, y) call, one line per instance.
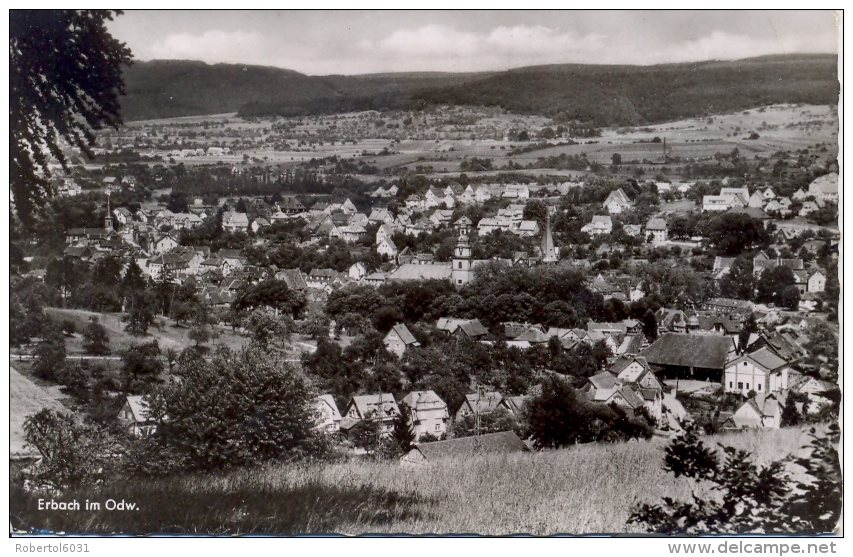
point(461, 272)
point(108, 220)
point(549, 253)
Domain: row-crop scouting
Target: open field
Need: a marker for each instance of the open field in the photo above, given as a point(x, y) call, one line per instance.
point(442, 138)
point(168, 337)
point(581, 490)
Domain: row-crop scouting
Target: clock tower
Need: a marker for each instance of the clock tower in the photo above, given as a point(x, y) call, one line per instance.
point(461, 272)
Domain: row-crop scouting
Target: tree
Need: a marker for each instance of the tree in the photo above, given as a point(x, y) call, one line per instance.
point(738, 282)
point(650, 326)
point(141, 363)
point(537, 210)
point(96, 341)
point(237, 409)
point(733, 233)
point(140, 316)
point(771, 285)
point(404, 432)
point(749, 498)
point(65, 82)
point(74, 454)
point(49, 357)
point(790, 414)
point(264, 327)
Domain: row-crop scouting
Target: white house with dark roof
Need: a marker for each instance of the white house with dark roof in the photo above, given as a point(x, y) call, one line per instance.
point(427, 413)
point(657, 229)
point(328, 416)
point(380, 407)
point(601, 224)
point(398, 339)
point(761, 371)
point(825, 187)
point(135, 415)
point(617, 202)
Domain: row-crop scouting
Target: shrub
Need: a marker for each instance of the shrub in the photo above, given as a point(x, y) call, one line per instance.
point(753, 499)
point(236, 409)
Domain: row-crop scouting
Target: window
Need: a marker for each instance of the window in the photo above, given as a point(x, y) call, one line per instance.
point(744, 364)
point(759, 386)
point(740, 385)
point(730, 384)
point(438, 427)
point(747, 385)
point(460, 264)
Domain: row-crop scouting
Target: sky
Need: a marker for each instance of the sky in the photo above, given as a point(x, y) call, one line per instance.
point(359, 42)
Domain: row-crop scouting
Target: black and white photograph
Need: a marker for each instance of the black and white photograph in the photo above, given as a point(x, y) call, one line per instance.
point(425, 273)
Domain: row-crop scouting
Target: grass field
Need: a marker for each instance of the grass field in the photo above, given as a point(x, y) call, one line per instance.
point(26, 398)
point(168, 336)
point(582, 490)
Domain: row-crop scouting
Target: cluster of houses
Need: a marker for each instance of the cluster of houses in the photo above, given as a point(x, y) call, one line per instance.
point(456, 194)
point(763, 204)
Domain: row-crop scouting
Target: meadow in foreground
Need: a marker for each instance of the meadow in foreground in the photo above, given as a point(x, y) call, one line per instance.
point(585, 489)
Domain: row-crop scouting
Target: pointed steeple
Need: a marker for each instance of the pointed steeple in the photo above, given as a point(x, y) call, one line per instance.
point(549, 253)
point(108, 221)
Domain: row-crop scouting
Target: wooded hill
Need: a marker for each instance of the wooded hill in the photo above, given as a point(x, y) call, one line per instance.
point(606, 95)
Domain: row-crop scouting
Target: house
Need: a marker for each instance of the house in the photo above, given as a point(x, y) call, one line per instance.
point(606, 388)
point(463, 448)
point(813, 388)
point(164, 243)
point(526, 228)
point(472, 329)
point(761, 371)
point(657, 229)
point(816, 282)
point(380, 407)
point(599, 225)
point(398, 339)
point(233, 221)
point(375, 279)
point(632, 230)
point(761, 411)
point(617, 202)
point(635, 372)
point(800, 195)
point(516, 191)
point(357, 270)
point(768, 194)
point(123, 215)
point(382, 216)
point(728, 307)
point(810, 207)
point(756, 201)
point(259, 224)
point(482, 194)
point(685, 356)
point(825, 188)
point(411, 271)
point(386, 247)
point(479, 403)
point(328, 416)
point(293, 278)
point(350, 234)
point(427, 413)
point(135, 416)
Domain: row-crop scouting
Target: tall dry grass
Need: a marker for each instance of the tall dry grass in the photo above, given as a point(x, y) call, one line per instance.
point(586, 489)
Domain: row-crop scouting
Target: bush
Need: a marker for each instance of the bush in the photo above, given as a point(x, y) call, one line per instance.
point(753, 499)
point(73, 453)
point(236, 409)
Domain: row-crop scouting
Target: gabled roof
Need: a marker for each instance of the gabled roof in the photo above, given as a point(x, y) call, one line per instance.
point(473, 328)
point(485, 402)
point(604, 380)
point(683, 350)
point(618, 196)
point(138, 408)
point(403, 332)
point(423, 400)
point(464, 447)
point(329, 401)
point(656, 224)
point(293, 278)
point(367, 404)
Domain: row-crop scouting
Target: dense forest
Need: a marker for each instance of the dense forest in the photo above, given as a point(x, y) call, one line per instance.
point(604, 95)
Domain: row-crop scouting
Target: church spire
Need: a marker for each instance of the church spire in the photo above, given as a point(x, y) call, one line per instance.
point(108, 220)
point(549, 253)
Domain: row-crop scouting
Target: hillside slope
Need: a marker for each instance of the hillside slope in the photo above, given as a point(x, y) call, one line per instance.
point(605, 95)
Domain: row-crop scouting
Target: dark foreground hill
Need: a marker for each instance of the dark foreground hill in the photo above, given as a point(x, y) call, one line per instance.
point(606, 95)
